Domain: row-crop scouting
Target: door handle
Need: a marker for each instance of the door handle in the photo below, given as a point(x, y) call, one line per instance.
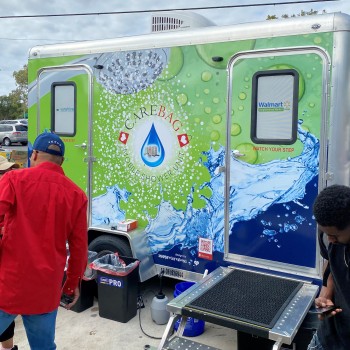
point(237, 153)
point(83, 145)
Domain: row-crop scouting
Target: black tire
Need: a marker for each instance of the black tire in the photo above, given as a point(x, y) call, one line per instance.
point(6, 141)
point(110, 244)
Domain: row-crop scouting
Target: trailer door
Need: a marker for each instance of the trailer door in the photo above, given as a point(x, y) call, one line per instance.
point(64, 107)
point(276, 112)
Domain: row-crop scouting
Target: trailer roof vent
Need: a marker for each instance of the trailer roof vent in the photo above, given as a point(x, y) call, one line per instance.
point(178, 20)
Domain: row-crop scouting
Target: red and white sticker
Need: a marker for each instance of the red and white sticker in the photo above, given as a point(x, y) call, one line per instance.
point(205, 249)
point(123, 137)
point(183, 140)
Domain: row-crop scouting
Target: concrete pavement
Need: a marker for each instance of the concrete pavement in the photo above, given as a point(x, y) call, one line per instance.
point(87, 330)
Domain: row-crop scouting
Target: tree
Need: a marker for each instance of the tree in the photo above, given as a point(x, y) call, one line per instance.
point(14, 105)
point(301, 14)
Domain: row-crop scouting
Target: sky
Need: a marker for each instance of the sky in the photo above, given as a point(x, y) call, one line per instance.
point(18, 35)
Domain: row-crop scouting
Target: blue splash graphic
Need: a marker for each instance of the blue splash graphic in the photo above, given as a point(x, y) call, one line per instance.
point(106, 208)
point(253, 190)
point(152, 150)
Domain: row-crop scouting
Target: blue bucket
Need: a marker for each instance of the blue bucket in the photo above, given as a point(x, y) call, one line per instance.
point(193, 326)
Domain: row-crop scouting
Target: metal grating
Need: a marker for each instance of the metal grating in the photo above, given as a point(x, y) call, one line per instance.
point(246, 296)
point(179, 343)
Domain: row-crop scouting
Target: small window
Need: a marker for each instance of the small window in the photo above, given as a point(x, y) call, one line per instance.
point(64, 108)
point(21, 128)
point(275, 107)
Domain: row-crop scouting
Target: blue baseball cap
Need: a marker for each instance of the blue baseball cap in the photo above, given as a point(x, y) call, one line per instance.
point(49, 143)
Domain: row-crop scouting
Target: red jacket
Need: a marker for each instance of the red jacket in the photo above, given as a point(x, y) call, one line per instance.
point(40, 209)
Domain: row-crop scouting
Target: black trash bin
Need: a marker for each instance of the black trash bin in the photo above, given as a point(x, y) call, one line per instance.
point(117, 288)
point(87, 288)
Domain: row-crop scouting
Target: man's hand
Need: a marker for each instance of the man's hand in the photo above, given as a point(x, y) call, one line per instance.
point(324, 302)
point(75, 296)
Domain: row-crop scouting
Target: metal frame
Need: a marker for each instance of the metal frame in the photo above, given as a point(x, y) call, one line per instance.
point(284, 329)
point(43, 86)
point(260, 263)
point(243, 31)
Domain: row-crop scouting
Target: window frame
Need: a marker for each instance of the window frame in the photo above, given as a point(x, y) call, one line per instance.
point(53, 107)
point(294, 117)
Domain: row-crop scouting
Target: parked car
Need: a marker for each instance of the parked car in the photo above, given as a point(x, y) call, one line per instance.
point(22, 121)
point(10, 133)
point(14, 121)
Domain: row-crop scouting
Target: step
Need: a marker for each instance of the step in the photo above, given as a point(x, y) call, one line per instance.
point(180, 343)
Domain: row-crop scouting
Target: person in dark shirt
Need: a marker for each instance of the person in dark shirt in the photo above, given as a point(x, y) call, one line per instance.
point(332, 213)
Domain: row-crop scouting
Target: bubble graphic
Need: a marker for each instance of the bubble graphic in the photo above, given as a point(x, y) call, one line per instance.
point(207, 110)
point(242, 96)
point(182, 99)
point(217, 119)
point(214, 135)
point(250, 154)
point(301, 78)
point(318, 40)
point(206, 76)
point(175, 63)
point(235, 129)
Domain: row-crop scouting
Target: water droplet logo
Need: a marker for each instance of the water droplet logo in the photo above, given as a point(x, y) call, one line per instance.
point(152, 150)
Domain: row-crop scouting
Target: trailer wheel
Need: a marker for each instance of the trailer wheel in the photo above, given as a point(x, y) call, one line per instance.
point(110, 243)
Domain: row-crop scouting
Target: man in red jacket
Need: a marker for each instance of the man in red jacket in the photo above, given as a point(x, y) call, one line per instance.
point(40, 210)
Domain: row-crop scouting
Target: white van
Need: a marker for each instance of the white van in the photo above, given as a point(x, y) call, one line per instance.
point(10, 133)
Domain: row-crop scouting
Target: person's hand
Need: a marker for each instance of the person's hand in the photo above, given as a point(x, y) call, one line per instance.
point(76, 296)
point(324, 302)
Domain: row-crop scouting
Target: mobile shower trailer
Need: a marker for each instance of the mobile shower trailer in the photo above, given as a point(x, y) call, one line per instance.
point(216, 140)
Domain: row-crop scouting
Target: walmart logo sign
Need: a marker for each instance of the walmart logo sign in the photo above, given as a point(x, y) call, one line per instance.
point(273, 106)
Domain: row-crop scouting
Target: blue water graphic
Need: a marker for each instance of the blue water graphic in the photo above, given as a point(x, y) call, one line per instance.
point(106, 208)
point(256, 190)
point(152, 150)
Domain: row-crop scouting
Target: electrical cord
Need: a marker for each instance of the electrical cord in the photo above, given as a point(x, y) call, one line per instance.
point(142, 330)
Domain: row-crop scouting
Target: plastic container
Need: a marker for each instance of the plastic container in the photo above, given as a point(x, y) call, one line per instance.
point(193, 327)
point(117, 295)
point(159, 313)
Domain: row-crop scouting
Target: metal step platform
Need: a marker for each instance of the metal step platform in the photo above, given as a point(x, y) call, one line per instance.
point(257, 303)
point(179, 343)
